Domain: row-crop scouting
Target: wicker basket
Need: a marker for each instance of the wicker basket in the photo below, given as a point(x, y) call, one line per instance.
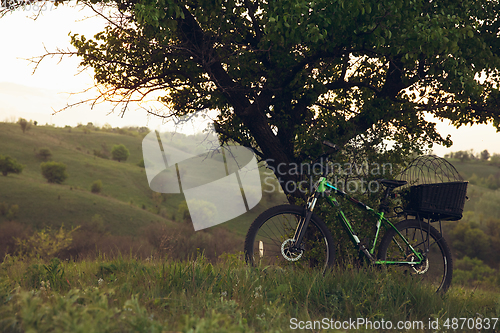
point(437, 201)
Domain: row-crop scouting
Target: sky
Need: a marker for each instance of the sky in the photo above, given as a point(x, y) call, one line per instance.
point(53, 86)
point(36, 96)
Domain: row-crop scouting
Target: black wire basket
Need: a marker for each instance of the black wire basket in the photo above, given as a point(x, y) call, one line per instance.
point(435, 189)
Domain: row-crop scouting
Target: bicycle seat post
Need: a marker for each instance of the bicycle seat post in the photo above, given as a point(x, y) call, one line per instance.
point(384, 206)
point(390, 185)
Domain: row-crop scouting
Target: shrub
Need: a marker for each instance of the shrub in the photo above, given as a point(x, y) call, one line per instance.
point(141, 163)
point(120, 153)
point(45, 243)
point(469, 270)
point(4, 208)
point(10, 165)
point(9, 232)
point(101, 154)
point(160, 237)
point(96, 186)
point(12, 213)
point(183, 211)
point(44, 154)
point(9, 211)
point(54, 172)
point(495, 160)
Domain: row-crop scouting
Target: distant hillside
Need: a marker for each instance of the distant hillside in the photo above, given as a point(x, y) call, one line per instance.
point(484, 186)
point(126, 204)
point(124, 193)
point(475, 239)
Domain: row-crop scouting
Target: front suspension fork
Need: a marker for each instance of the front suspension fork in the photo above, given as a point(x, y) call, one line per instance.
point(304, 223)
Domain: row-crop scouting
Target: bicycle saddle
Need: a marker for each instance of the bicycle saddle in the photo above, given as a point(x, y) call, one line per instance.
point(392, 183)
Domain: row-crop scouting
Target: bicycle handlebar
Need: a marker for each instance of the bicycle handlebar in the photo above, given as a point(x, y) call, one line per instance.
point(333, 149)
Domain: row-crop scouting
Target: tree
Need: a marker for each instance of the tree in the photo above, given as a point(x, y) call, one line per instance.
point(54, 172)
point(120, 153)
point(495, 160)
point(485, 155)
point(44, 154)
point(470, 240)
point(10, 165)
point(462, 155)
point(25, 125)
point(287, 74)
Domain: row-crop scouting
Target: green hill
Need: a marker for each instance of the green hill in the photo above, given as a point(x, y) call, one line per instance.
point(484, 187)
point(126, 204)
point(125, 188)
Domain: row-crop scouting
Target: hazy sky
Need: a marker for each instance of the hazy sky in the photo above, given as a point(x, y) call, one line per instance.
point(36, 96)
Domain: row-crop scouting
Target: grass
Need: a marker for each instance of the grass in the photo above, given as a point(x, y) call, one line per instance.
point(124, 293)
point(43, 204)
point(128, 295)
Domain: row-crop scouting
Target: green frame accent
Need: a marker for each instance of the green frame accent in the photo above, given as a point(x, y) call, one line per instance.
point(323, 186)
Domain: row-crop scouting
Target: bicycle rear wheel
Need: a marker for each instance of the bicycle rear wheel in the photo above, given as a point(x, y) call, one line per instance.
point(437, 268)
point(269, 238)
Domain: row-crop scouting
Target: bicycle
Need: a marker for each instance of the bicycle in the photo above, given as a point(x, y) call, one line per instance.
point(295, 235)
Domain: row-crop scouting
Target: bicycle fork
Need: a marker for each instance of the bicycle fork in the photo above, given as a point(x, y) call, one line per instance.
point(304, 223)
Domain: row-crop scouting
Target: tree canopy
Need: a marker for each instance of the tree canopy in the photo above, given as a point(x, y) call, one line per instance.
point(10, 165)
point(287, 74)
point(54, 172)
point(120, 152)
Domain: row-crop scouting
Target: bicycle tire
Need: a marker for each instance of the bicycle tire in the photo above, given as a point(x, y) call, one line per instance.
point(266, 240)
point(437, 269)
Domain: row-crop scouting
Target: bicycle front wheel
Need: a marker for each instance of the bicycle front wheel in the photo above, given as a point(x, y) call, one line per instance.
point(437, 267)
point(270, 237)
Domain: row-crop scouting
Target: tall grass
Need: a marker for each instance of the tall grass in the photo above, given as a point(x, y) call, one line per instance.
point(127, 295)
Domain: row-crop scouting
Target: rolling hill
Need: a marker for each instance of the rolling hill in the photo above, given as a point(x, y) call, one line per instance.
point(126, 204)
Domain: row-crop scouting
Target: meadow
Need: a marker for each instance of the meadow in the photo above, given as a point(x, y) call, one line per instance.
point(162, 295)
point(126, 259)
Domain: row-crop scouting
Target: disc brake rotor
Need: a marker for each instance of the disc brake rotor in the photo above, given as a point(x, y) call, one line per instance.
point(289, 253)
point(418, 268)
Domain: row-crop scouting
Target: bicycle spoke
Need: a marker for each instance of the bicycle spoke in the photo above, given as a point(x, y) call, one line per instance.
point(270, 240)
point(436, 266)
